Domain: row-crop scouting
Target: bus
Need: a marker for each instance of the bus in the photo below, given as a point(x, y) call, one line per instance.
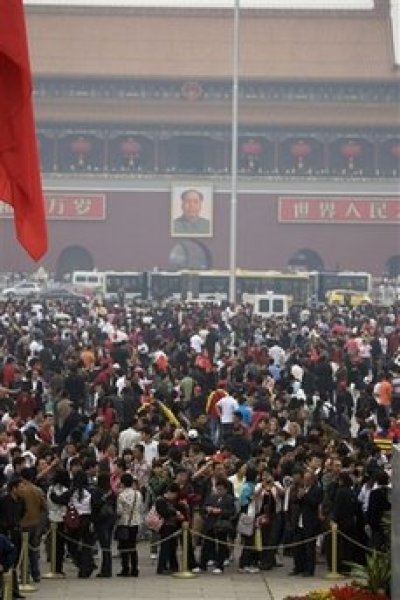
point(213, 286)
point(130, 284)
point(348, 298)
point(322, 282)
point(87, 282)
point(294, 285)
point(163, 285)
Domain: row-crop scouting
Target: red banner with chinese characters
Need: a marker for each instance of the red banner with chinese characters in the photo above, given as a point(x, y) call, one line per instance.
point(339, 209)
point(68, 207)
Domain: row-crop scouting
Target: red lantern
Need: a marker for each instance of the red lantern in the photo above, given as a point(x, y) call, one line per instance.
point(131, 150)
point(130, 147)
point(351, 150)
point(81, 147)
point(252, 148)
point(395, 150)
point(300, 150)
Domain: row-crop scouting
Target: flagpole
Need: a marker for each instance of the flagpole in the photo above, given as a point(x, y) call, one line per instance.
point(234, 157)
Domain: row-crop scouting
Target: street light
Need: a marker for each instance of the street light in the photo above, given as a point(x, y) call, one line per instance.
point(234, 157)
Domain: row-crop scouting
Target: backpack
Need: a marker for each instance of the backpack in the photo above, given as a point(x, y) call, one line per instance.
point(153, 520)
point(71, 518)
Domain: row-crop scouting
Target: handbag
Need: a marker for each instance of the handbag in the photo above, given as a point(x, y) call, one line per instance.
point(72, 519)
point(153, 520)
point(245, 524)
point(121, 533)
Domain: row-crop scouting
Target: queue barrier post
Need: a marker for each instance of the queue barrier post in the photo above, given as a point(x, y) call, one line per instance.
point(184, 573)
point(258, 540)
point(333, 573)
point(53, 552)
point(25, 586)
point(8, 585)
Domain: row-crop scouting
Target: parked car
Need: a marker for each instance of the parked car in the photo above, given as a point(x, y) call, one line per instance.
point(23, 288)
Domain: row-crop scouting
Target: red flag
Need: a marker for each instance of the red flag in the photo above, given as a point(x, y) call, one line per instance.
point(20, 184)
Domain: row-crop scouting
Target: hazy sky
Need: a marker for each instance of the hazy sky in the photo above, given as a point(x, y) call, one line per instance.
point(318, 4)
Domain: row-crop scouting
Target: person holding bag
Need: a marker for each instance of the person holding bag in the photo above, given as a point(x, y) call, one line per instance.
point(129, 511)
point(167, 507)
point(81, 536)
point(58, 497)
point(103, 517)
point(219, 510)
point(248, 560)
point(266, 520)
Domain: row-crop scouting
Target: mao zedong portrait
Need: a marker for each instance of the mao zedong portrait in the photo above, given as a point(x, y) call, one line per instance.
point(191, 222)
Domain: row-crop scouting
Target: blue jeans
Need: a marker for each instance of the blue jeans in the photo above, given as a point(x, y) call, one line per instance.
point(104, 536)
point(34, 550)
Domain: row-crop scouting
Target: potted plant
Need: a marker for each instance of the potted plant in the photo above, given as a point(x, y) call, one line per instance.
point(375, 575)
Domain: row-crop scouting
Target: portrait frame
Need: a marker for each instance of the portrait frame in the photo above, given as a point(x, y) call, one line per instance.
point(181, 229)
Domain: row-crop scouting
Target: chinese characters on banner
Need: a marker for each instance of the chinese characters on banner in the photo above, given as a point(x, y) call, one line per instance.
point(68, 207)
point(339, 209)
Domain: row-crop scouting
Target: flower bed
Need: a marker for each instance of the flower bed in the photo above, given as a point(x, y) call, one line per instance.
point(344, 592)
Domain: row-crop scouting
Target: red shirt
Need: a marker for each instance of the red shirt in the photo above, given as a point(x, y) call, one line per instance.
point(8, 374)
point(25, 406)
point(46, 434)
point(108, 414)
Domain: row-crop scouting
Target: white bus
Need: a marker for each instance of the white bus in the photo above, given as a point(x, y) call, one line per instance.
point(130, 284)
point(88, 282)
point(214, 285)
point(322, 282)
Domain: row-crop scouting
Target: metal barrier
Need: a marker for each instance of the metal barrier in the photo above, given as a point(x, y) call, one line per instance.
point(25, 586)
point(8, 585)
point(185, 531)
point(52, 574)
point(184, 572)
point(334, 574)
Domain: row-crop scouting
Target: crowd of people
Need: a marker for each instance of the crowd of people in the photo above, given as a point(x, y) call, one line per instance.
point(122, 422)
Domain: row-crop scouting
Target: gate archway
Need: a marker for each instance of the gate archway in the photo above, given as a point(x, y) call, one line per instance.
point(393, 266)
point(307, 260)
point(73, 258)
point(189, 254)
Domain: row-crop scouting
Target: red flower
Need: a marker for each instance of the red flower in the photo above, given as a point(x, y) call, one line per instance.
point(350, 592)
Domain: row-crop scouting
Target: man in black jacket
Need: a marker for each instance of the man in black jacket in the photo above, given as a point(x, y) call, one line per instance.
point(12, 509)
point(239, 444)
point(8, 555)
point(75, 388)
point(378, 505)
point(219, 511)
point(308, 525)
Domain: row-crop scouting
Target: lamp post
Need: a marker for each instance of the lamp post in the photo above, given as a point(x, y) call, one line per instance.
point(234, 157)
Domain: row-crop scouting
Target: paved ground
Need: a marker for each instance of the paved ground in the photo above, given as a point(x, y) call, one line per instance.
point(275, 585)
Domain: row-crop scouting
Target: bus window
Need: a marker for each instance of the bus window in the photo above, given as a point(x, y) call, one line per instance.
point(213, 285)
point(130, 284)
point(277, 305)
point(86, 281)
point(264, 305)
point(165, 285)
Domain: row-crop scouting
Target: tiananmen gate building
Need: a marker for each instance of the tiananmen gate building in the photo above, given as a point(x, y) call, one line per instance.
point(133, 108)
